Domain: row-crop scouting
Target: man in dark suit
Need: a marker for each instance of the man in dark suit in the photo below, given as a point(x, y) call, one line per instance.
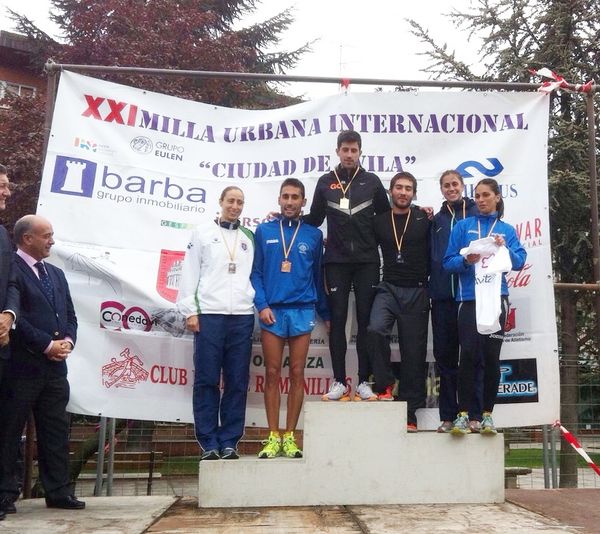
point(36, 377)
point(9, 296)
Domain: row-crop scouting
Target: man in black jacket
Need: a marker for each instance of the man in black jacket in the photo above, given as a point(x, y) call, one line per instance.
point(9, 295)
point(402, 297)
point(349, 197)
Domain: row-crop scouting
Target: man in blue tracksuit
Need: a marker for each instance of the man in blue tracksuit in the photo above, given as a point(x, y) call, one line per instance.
point(444, 307)
point(287, 278)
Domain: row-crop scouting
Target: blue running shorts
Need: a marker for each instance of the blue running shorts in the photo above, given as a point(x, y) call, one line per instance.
point(290, 322)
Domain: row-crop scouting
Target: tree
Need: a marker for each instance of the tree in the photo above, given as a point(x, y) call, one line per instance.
point(564, 35)
point(168, 34)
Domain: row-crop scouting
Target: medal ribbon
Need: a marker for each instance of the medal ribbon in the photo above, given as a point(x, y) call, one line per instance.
point(231, 252)
point(286, 252)
point(399, 242)
point(349, 183)
point(479, 229)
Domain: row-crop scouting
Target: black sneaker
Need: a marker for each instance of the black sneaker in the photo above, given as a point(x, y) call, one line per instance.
point(212, 454)
point(229, 453)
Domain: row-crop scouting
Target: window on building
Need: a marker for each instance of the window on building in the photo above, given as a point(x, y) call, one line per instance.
point(16, 89)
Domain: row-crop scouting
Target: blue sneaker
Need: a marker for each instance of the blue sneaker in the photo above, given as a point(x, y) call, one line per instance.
point(460, 427)
point(487, 425)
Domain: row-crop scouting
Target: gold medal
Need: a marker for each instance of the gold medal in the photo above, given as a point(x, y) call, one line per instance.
point(286, 266)
point(344, 203)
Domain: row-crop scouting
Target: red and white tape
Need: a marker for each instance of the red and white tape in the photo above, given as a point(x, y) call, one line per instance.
point(558, 82)
point(577, 446)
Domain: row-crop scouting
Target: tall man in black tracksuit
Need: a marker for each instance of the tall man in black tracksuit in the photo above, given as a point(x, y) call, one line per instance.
point(349, 197)
point(402, 297)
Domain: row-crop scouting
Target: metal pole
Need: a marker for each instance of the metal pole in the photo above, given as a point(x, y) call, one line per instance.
point(111, 456)
point(545, 456)
point(591, 120)
point(100, 461)
point(553, 458)
point(286, 78)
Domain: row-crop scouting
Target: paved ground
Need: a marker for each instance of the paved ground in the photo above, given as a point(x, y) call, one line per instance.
point(576, 507)
point(526, 511)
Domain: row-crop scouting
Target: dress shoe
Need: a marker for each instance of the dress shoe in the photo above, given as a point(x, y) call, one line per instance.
point(66, 503)
point(2, 515)
point(7, 506)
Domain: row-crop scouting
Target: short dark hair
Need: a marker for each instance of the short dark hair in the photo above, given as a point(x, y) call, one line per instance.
point(349, 136)
point(493, 185)
point(293, 182)
point(406, 175)
point(3, 169)
point(454, 172)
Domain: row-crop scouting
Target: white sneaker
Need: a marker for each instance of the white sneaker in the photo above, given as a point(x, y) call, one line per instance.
point(364, 393)
point(337, 392)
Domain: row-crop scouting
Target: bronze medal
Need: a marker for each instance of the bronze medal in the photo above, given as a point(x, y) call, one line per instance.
point(286, 266)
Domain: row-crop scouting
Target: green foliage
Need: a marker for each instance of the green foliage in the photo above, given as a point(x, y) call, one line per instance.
point(563, 35)
point(166, 34)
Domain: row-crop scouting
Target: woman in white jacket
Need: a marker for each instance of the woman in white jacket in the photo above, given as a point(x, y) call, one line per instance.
point(217, 299)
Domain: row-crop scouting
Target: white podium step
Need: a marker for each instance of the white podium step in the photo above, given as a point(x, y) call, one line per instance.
point(360, 453)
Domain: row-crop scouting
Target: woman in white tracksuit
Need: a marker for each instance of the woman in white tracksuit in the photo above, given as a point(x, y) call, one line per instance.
point(217, 299)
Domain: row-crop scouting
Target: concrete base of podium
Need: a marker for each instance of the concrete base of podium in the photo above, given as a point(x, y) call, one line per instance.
point(360, 453)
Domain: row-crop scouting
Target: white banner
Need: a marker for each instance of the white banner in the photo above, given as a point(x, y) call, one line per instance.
point(129, 173)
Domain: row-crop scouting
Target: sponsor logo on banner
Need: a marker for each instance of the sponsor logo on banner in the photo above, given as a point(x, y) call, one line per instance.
point(73, 176)
point(520, 278)
point(116, 316)
point(512, 334)
point(530, 232)
point(169, 273)
point(518, 381)
point(141, 145)
point(125, 372)
point(90, 145)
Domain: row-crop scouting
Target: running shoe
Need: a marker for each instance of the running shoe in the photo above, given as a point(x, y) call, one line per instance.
point(272, 446)
point(445, 427)
point(387, 395)
point(229, 453)
point(212, 454)
point(475, 426)
point(460, 427)
point(290, 448)
point(337, 392)
point(411, 428)
point(487, 424)
point(364, 393)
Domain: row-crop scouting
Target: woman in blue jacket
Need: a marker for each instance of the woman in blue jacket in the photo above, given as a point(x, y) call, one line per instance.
point(443, 287)
point(472, 344)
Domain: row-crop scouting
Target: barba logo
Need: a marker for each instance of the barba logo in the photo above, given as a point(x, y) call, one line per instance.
point(75, 176)
point(131, 115)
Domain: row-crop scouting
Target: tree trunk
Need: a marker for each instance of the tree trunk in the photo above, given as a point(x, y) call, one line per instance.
point(569, 386)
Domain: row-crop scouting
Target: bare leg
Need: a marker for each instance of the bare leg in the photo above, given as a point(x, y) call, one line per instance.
point(298, 351)
point(272, 346)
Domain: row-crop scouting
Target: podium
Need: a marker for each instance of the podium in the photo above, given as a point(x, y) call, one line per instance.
point(359, 453)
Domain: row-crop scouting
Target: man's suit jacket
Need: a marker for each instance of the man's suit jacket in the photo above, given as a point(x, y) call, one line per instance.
point(40, 321)
point(9, 294)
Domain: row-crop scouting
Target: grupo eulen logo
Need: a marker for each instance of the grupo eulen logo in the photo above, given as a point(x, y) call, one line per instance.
point(116, 316)
point(141, 144)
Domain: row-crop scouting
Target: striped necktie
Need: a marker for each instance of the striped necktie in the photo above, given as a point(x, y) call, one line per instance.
point(45, 280)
